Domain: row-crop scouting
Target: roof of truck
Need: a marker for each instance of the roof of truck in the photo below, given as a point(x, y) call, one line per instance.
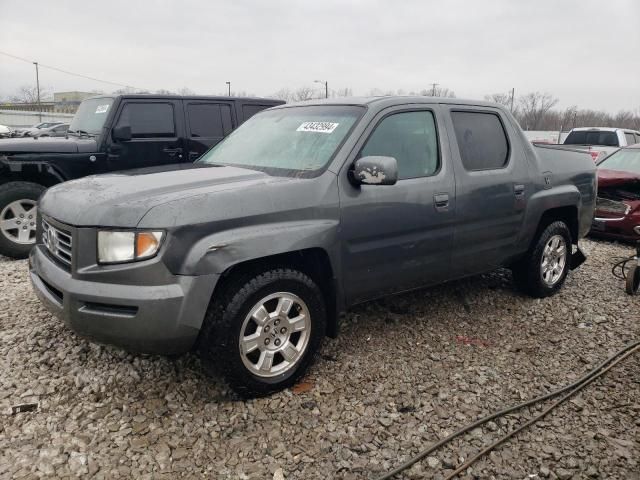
point(188, 97)
point(603, 129)
point(390, 100)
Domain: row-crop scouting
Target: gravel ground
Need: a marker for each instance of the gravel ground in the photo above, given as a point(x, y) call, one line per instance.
point(404, 372)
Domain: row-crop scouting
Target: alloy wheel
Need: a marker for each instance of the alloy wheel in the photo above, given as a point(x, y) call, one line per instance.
point(554, 260)
point(18, 221)
point(275, 334)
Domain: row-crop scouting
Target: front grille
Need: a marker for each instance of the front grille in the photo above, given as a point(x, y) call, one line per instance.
point(59, 242)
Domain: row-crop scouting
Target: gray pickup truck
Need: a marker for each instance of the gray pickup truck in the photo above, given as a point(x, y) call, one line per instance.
point(251, 253)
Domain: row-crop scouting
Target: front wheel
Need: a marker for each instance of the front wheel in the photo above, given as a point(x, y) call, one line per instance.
point(18, 209)
point(263, 331)
point(544, 268)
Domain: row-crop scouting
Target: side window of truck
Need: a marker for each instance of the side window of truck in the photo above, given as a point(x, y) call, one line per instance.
point(250, 110)
point(629, 138)
point(209, 120)
point(148, 120)
point(481, 139)
point(409, 137)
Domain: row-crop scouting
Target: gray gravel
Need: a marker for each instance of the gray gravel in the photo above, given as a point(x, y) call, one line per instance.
point(404, 372)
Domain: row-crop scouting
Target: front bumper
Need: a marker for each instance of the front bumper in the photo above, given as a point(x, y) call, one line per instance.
point(622, 229)
point(164, 319)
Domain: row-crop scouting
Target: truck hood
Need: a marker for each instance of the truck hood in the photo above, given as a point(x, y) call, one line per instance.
point(616, 178)
point(122, 199)
point(48, 145)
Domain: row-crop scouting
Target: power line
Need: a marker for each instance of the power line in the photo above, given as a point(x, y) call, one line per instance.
point(70, 73)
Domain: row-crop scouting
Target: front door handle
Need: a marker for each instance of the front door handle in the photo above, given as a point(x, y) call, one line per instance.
point(194, 155)
point(173, 152)
point(441, 202)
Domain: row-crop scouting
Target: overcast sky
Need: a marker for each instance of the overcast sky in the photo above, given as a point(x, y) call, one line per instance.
point(585, 52)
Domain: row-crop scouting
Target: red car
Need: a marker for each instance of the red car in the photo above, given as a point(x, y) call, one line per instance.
point(618, 204)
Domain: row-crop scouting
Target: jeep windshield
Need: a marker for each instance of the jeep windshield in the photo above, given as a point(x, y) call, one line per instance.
point(290, 141)
point(91, 116)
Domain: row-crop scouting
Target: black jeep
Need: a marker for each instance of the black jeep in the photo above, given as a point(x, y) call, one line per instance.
point(110, 133)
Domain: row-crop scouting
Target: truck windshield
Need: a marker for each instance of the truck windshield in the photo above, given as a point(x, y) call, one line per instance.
point(626, 160)
point(91, 115)
point(592, 137)
point(287, 141)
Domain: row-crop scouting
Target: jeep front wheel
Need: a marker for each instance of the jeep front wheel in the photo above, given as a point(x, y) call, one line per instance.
point(18, 210)
point(262, 333)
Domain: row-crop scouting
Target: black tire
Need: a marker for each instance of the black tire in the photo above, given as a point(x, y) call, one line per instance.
point(527, 273)
point(219, 342)
point(9, 193)
point(633, 279)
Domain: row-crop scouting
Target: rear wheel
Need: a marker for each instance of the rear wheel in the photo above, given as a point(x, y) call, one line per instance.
point(18, 210)
point(263, 331)
point(544, 268)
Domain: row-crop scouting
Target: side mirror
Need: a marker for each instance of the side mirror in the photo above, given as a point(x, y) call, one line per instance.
point(121, 133)
point(374, 171)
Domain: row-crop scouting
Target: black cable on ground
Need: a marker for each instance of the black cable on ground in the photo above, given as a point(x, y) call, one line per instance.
point(619, 269)
point(503, 439)
point(571, 388)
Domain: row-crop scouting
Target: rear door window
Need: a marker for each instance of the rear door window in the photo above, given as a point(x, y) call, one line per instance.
point(209, 120)
point(148, 120)
point(481, 139)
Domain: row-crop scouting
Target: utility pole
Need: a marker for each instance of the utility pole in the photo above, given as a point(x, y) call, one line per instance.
point(433, 89)
point(229, 85)
point(513, 94)
point(38, 88)
point(326, 87)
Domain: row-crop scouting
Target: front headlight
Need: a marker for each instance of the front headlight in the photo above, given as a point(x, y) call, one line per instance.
point(127, 246)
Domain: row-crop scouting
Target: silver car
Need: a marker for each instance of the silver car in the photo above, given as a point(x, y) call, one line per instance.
point(55, 131)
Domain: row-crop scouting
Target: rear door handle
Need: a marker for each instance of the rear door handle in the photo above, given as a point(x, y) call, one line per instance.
point(518, 190)
point(441, 202)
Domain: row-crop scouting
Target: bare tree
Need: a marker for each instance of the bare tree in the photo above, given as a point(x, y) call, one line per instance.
point(283, 94)
point(342, 92)
point(533, 107)
point(29, 94)
point(444, 92)
point(568, 117)
point(503, 99)
point(303, 93)
point(186, 91)
point(438, 92)
point(125, 91)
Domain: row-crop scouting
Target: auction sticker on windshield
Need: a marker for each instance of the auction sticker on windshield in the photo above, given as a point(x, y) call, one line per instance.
point(319, 127)
point(102, 108)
